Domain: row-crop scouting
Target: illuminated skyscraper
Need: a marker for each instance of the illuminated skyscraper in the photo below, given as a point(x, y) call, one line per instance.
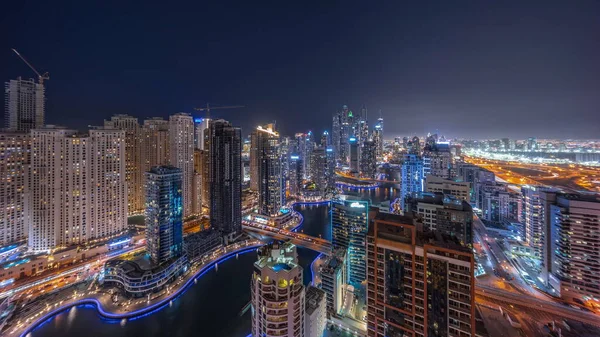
point(181, 148)
point(325, 139)
point(80, 189)
point(368, 159)
point(349, 224)
point(319, 167)
point(419, 283)
point(155, 143)
point(412, 176)
point(200, 126)
point(225, 178)
point(309, 146)
point(277, 293)
point(164, 213)
point(271, 185)
point(438, 161)
point(133, 159)
point(354, 156)
point(14, 175)
point(378, 138)
point(295, 175)
point(24, 103)
point(330, 170)
point(575, 257)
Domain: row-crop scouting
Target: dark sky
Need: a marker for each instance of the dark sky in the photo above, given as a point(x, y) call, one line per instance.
point(466, 68)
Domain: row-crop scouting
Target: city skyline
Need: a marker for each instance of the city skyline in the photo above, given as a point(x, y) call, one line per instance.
point(460, 69)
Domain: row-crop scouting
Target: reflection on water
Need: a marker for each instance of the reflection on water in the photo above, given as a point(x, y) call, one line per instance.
point(211, 307)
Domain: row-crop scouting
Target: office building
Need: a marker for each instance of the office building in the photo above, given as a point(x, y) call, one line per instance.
point(181, 149)
point(349, 223)
point(411, 176)
point(368, 159)
point(79, 183)
point(15, 157)
point(445, 214)
point(164, 213)
point(225, 178)
point(354, 158)
point(277, 293)
point(133, 160)
point(575, 223)
point(271, 185)
point(418, 284)
point(315, 312)
point(458, 189)
point(24, 103)
point(334, 277)
point(155, 143)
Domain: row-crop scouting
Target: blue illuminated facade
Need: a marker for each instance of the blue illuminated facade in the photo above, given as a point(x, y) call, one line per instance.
point(349, 226)
point(412, 176)
point(164, 214)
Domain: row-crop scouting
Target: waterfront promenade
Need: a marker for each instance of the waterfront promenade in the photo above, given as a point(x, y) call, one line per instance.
point(117, 308)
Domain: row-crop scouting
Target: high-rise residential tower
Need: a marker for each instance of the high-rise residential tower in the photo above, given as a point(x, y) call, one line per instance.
point(277, 292)
point(133, 159)
point(164, 213)
point(14, 175)
point(80, 189)
point(368, 159)
point(349, 224)
point(271, 185)
point(378, 138)
point(419, 283)
point(225, 177)
point(181, 150)
point(24, 103)
point(155, 143)
point(412, 176)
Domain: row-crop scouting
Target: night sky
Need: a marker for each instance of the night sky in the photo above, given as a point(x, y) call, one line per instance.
point(466, 68)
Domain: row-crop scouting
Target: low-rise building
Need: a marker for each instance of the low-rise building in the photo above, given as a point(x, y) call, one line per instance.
point(459, 189)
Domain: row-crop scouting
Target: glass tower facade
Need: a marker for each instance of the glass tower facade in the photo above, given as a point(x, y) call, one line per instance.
point(349, 225)
point(164, 213)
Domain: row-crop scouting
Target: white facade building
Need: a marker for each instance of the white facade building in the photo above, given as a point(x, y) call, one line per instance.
point(14, 172)
point(181, 148)
point(316, 312)
point(77, 187)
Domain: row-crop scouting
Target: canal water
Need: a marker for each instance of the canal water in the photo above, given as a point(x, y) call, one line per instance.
point(209, 308)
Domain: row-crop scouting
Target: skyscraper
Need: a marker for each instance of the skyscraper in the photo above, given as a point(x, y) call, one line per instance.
point(133, 159)
point(155, 143)
point(325, 139)
point(277, 293)
point(200, 126)
point(438, 161)
point(24, 105)
point(412, 176)
point(368, 159)
point(271, 185)
point(318, 167)
point(295, 175)
point(349, 224)
point(14, 175)
point(79, 183)
point(225, 178)
point(181, 149)
point(199, 158)
point(164, 213)
point(378, 138)
point(575, 224)
point(354, 156)
point(419, 284)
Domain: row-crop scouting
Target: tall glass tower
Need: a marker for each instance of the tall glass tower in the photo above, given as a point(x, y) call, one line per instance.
point(164, 213)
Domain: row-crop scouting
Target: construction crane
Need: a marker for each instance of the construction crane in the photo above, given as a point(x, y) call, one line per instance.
point(209, 108)
point(41, 78)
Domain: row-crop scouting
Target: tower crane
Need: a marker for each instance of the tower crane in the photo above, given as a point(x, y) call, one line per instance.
point(41, 78)
point(208, 108)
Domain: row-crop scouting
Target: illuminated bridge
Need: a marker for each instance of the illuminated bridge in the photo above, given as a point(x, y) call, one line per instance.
point(299, 239)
